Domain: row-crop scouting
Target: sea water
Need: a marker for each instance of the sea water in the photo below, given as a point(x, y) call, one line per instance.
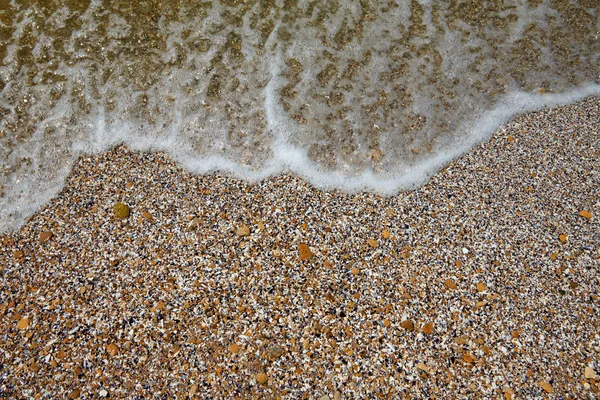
point(351, 94)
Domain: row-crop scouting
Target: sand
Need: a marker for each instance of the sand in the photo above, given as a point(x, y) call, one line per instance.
point(140, 280)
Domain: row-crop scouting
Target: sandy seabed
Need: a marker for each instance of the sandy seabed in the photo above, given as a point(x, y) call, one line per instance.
point(484, 283)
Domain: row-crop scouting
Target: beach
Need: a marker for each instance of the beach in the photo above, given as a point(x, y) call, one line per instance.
point(142, 280)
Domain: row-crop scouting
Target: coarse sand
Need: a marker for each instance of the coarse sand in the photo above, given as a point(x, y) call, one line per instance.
point(140, 280)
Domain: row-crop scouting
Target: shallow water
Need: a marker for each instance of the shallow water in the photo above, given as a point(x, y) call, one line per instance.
point(373, 95)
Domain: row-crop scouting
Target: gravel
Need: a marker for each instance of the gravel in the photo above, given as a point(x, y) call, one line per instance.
point(482, 283)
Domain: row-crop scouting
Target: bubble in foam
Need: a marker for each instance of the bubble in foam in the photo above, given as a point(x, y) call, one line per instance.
point(355, 95)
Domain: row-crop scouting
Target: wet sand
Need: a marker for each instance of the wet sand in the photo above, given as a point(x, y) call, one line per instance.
point(482, 283)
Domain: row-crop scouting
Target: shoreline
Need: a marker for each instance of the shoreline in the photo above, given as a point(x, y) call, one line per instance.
point(482, 282)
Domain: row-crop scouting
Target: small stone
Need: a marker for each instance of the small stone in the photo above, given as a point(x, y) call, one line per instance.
point(34, 367)
point(274, 352)
point(18, 254)
point(147, 215)
point(304, 252)
point(355, 271)
point(508, 392)
point(234, 348)
point(428, 329)
point(112, 349)
point(408, 325)
point(103, 393)
point(589, 373)
point(585, 214)
point(372, 243)
point(450, 284)
point(510, 138)
point(74, 394)
point(242, 231)
point(160, 305)
point(45, 236)
point(23, 323)
point(546, 386)
point(385, 234)
point(562, 238)
point(121, 211)
point(262, 378)
point(481, 287)
point(468, 358)
point(324, 398)
point(423, 367)
point(193, 390)
point(386, 323)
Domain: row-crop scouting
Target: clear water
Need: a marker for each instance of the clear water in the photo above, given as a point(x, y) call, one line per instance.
point(354, 94)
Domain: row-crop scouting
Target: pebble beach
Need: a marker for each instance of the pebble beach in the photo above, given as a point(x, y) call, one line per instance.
point(143, 281)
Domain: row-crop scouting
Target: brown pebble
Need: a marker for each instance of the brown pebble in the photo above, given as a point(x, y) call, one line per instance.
point(562, 238)
point(23, 323)
point(234, 348)
point(450, 284)
point(262, 378)
point(386, 323)
point(585, 214)
point(546, 386)
point(147, 215)
point(589, 373)
point(428, 329)
point(112, 349)
point(469, 358)
point(355, 271)
point(242, 230)
point(45, 236)
point(372, 243)
point(385, 234)
point(34, 367)
point(18, 254)
point(304, 252)
point(481, 287)
point(408, 325)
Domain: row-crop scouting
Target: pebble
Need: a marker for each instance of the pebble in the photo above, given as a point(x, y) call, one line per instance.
point(103, 393)
point(428, 329)
point(262, 378)
point(23, 323)
point(546, 386)
point(450, 284)
point(243, 230)
point(121, 211)
point(408, 325)
point(589, 373)
point(45, 236)
point(355, 271)
point(585, 214)
point(562, 238)
point(304, 252)
point(112, 349)
point(234, 348)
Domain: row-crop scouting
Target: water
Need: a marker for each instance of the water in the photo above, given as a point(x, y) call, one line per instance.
point(358, 95)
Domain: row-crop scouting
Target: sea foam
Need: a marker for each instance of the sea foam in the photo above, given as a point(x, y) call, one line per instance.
point(358, 96)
